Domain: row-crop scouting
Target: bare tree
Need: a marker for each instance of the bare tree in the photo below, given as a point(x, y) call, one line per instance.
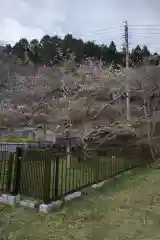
point(91, 98)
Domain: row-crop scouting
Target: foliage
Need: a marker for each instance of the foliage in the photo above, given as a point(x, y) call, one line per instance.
point(51, 50)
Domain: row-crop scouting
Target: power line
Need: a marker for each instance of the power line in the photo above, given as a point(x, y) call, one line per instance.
point(144, 25)
point(141, 32)
point(144, 33)
point(104, 29)
point(99, 32)
point(112, 31)
point(144, 29)
point(147, 33)
point(102, 33)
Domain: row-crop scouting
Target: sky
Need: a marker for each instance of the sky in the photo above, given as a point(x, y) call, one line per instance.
point(101, 20)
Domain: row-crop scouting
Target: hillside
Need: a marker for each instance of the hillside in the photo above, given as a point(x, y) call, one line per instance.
point(91, 98)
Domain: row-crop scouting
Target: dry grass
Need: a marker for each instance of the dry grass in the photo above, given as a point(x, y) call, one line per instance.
point(126, 208)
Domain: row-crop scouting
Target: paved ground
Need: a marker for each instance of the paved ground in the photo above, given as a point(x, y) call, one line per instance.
point(127, 208)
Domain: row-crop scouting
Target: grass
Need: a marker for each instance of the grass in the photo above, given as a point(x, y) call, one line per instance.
point(126, 208)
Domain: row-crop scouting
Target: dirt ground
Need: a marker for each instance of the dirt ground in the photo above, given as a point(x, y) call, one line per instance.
point(125, 208)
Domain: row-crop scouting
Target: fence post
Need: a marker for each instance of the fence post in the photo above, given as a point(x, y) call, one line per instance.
point(9, 173)
point(146, 155)
point(17, 173)
point(97, 160)
point(47, 176)
point(56, 176)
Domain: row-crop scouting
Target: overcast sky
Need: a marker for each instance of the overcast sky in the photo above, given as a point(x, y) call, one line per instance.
point(84, 18)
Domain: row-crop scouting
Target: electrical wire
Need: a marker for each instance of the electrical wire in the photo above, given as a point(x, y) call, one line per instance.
point(147, 31)
point(141, 32)
point(144, 25)
point(104, 30)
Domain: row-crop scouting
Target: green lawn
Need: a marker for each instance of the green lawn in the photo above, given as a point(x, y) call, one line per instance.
point(125, 208)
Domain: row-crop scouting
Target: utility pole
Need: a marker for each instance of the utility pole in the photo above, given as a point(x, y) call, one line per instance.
point(127, 71)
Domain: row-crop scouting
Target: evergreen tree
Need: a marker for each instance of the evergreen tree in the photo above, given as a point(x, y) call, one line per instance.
point(52, 50)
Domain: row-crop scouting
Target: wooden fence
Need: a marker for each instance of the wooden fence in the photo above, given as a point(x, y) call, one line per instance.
point(46, 175)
